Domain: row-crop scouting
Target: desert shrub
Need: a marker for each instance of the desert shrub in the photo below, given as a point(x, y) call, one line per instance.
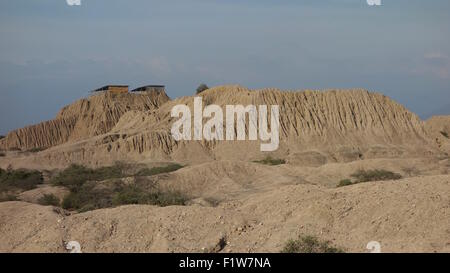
point(22, 179)
point(212, 201)
point(345, 182)
point(49, 200)
point(445, 134)
point(89, 197)
point(87, 194)
point(75, 176)
point(135, 195)
point(202, 87)
point(271, 161)
point(310, 244)
point(2, 154)
point(35, 150)
point(157, 170)
point(375, 175)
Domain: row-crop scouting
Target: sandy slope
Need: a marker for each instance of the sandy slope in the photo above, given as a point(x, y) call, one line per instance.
point(411, 215)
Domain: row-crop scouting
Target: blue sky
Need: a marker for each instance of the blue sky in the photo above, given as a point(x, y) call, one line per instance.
point(52, 54)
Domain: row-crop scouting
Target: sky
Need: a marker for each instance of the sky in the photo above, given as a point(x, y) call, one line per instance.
point(52, 54)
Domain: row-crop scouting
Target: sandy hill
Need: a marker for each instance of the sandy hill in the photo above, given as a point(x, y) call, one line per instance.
point(316, 127)
point(234, 204)
point(410, 215)
point(84, 118)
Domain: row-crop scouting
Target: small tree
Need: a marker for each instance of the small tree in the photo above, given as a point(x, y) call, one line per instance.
point(202, 87)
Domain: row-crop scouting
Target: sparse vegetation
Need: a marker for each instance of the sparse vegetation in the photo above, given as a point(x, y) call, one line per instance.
point(87, 194)
point(19, 180)
point(35, 150)
point(445, 134)
point(345, 182)
point(157, 170)
point(2, 136)
point(375, 175)
point(271, 161)
point(135, 195)
point(90, 197)
point(212, 201)
point(15, 149)
point(49, 200)
point(202, 87)
point(75, 176)
point(310, 244)
point(362, 176)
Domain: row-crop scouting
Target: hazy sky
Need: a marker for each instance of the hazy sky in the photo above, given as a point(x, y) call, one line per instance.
point(52, 54)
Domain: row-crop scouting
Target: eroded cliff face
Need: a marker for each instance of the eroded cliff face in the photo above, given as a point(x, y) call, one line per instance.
point(336, 125)
point(83, 119)
point(316, 127)
point(45, 134)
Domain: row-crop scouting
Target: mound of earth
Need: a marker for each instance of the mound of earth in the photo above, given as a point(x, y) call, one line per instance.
point(316, 127)
point(409, 215)
point(85, 118)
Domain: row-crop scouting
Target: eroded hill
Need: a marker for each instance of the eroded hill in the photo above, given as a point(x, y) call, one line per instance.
point(316, 127)
point(84, 118)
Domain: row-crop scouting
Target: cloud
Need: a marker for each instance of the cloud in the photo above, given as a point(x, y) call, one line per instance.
point(436, 64)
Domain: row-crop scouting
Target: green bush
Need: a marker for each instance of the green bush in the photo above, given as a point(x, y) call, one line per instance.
point(134, 195)
point(49, 200)
point(445, 134)
point(375, 175)
point(271, 161)
point(345, 182)
point(86, 193)
point(157, 170)
point(22, 179)
point(75, 176)
point(310, 244)
point(89, 197)
point(202, 87)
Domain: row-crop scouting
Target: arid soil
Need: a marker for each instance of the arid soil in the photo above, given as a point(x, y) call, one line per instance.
point(325, 137)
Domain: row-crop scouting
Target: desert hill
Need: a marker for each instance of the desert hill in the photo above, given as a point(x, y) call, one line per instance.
point(84, 118)
point(410, 215)
point(316, 127)
point(232, 201)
